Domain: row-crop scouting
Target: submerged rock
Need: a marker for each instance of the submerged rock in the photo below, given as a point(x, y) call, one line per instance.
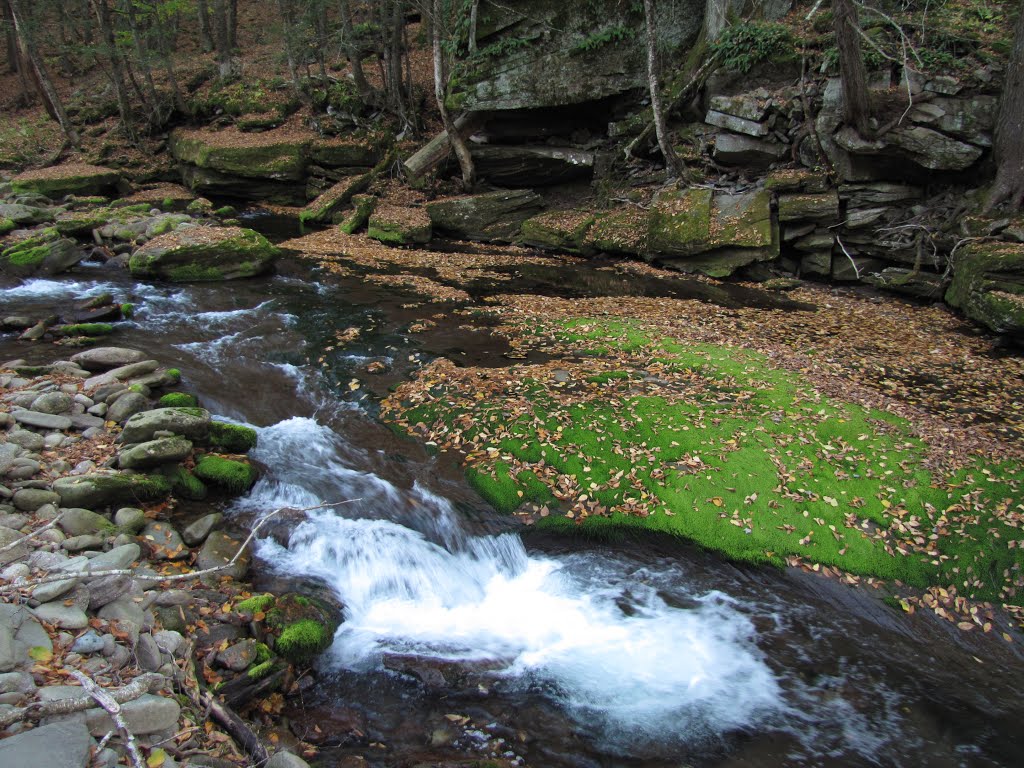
point(204, 254)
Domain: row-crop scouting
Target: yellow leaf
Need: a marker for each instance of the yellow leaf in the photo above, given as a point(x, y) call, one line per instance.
point(717, 501)
point(156, 758)
point(40, 653)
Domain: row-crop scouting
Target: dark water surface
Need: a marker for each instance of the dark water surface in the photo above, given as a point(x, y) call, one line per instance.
point(464, 639)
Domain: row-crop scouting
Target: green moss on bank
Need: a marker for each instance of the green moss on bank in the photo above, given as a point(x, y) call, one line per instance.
point(231, 438)
point(233, 476)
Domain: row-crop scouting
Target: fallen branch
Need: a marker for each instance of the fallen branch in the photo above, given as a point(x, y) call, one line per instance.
point(140, 685)
point(113, 708)
point(856, 269)
point(172, 577)
point(236, 728)
point(29, 536)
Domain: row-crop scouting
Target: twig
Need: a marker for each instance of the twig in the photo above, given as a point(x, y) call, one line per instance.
point(113, 708)
point(32, 535)
point(173, 577)
point(856, 269)
point(140, 685)
point(813, 10)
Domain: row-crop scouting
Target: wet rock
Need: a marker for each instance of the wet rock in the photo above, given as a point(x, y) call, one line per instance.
point(191, 423)
point(64, 745)
point(130, 519)
point(196, 533)
point(217, 550)
point(105, 358)
point(153, 453)
point(239, 656)
point(204, 254)
point(31, 499)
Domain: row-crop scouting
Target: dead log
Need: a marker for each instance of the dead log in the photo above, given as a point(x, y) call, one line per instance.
point(435, 151)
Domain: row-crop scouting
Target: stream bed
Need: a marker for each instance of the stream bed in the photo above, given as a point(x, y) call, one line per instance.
point(467, 637)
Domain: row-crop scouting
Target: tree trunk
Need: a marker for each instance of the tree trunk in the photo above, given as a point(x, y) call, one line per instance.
point(50, 96)
point(440, 93)
point(12, 40)
point(1008, 149)
point(222, 38)
point(716, 14)
point(117, 69)
point(668, 153)
point(856, 106)
point(284, 8)
point(142, 52)
point(232, 24)
point(205, 30)
point(352, 54)
point(474, 14)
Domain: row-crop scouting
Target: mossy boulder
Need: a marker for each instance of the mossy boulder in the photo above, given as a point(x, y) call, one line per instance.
point(230, 475)
point(344, 153)
point(178, 400)
point(363, 207)
point(988, 286)
point(153, 453)
point(68, 179)
point(324, 207)
point(204, 254)
point(231, 438)
point(304, 626)
point(400, 225)
point(680, 222)
point(495, 215)
point(276, 155)
point(6, 225)
point(95, 491)
point(45, 253)
point(193, 423)
point(621, 231)
point(563, 231)
point(19, 213)
point(186, 485)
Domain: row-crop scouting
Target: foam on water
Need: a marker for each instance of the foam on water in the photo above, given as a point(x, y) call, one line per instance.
point(42, 288)
point(556, 624)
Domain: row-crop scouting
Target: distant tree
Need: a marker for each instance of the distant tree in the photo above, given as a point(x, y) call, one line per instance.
point(852, 72)
point(31, 54)
point(1008, 148)
point(668, 153)
point(439, 32)
point(353, 54)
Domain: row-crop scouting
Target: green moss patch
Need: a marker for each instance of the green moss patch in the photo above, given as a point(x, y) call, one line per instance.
point(231, 438)
point(178, 400)
point(84, 329)
point(713, 444)
point(186, 485)
point(255, 604)
point(231, 475)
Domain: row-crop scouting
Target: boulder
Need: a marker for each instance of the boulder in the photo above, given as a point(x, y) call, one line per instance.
point(276, 155)
point(563, 231)
point(123, 373)
point(45, 254)
point(67, 179)
point(126, 406)
point(146, 714)
point(218, 549)
point(196, 533)
point(103, 490)
point(76, 521)
point(988, 286)
point(115, 559)
point(921, 285)
point(153, 453)
point(105, 358)
point(64, 744)
point(163, 542)
point(400, 225)
point(204, 254)
point(19, 213)
point(490, 216)
point(326, 205)
point(191, 423)
point(52, 402)
point(624, 230)
point(732, 149)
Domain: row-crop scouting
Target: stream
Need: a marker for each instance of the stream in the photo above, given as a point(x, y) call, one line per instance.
point(539, 650)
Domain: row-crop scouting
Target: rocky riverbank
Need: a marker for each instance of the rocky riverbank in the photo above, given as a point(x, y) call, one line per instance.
point(112, 593)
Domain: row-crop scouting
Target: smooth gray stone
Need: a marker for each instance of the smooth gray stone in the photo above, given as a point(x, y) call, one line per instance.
point(30, 441)
point(165, 450)
point(84, 542)
point(126, 406)
point(83, 421)
point(53, 402)
point(193, 423)
point(148, 654)
point(79, 522)
point(31, 499)
point(123, 608)
point(42, 420)
point(130, 519)
point(196, 533)
point(90, 642)
point(103, 358)
point(44, 593)
point(7, 536)
point(58, 745)
point(106, 589)
point(17, 682)
point(286, 760)
point(63, 616)
point(146, 714)
point(121, 373)
point(115, 559)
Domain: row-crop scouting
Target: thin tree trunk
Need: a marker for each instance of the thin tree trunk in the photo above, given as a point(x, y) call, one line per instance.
point(142, 52)
point(715, 19)
point(1008, 149)
point(440, 92)
point(12, 40)
point(222, 37)
point(284, 8)
point(394, 58)
point(50, 96)
point(166, 37)
point(352, 54)
point(474, 13)
point(856, 105)
point(319, 12)
point(668, 153)
point(205, 31)
point(117, 69)
point(232, 24)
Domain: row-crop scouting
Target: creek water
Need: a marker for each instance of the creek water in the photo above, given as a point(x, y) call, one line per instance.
point(466, 637)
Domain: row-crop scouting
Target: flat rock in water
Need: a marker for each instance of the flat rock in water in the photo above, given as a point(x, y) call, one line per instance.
point(105, 358)
point(193, 423)
point(153, 453)
point(42, 420)
point(58, 745)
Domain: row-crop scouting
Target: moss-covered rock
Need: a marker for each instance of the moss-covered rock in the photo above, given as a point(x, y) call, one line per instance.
point(45, 253)
point(363, 207)
point(344, 153)
point(495, 215)
point(621, 231)
point(680, 222)
point(84, 329)
point(988, 286)
point(193, 423)
point(186, 485)
point(68, 179)
point(6, 225)
point(400, 225)
point(563, 231)
point(178, 400)
point(324, 207)
point(204, 254)
point(304, 627)
point(96, 491)
point(231, 438)
point(277, 155)
point(230, 475)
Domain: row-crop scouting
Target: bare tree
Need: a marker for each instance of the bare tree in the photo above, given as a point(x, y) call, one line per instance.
point(856, 105)
point(441, 94)
point(31, 54)
point(1008, 149)
point(353, 54)
point(668, 153)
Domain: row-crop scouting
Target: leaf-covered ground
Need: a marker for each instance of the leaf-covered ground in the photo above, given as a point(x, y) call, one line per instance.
point(870, 440)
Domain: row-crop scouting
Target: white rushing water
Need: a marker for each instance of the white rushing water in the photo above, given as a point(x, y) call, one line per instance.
point(582, 628)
